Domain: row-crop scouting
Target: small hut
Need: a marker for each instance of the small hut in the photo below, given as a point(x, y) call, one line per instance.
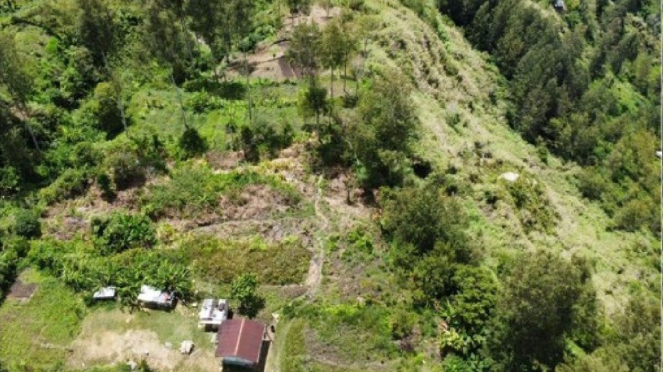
point(559, 5)
point(104, 293)
point(155, 298)
point(213, 313)
point(240, 343)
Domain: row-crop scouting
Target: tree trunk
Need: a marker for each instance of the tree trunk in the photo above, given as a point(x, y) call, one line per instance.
point(186, 39)
point(32, 134)
point(345, 75)
point(248, 86)
point(331, 86)
point(24, 110)
point(179, 98)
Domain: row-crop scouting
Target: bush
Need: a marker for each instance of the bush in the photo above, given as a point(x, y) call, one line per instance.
point(201, 102)
point(120, 232)
point(105, 184)
point(71, 183)
point(423, 217)
point(592, 184)
point(105, 110)
point(191, 143)
point(193, 191)
point(10, 181)
point(243, 289)
point(264, 138)
point(26, 224)
point(534, 209)
point(636, 214)
point(126, 169)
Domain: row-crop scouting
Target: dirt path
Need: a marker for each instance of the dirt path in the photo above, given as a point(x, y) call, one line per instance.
point(314, 277)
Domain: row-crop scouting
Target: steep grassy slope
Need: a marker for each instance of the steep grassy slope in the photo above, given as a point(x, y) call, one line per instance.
point(464, 128)
point(459, 98)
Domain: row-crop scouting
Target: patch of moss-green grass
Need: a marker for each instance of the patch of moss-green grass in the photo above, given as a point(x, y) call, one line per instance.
point(195, 190)
point(170, 326)
point(220, 261)
point(40, 330)
point(292, 346)
point(355, 331)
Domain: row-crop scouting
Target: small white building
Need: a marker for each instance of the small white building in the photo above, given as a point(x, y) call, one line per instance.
point(105, 293)
point(152, 297)
point(213, 312)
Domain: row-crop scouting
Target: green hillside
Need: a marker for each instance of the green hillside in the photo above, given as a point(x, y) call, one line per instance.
point(404, 185)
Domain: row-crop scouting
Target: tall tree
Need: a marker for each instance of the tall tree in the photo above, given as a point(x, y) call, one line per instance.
point(298, 7)
point(304, 49)
point(165, 41)
point(209, 20)
point(381, 138)
point(333, 49)
point(313, 101)
point(350, 44)
point(240, 13)
point(16, 79)
point(98, 32)
point(178, 9)
point(243, 289)
point(535, 311)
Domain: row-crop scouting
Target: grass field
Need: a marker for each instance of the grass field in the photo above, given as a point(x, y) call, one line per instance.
point(41, 330)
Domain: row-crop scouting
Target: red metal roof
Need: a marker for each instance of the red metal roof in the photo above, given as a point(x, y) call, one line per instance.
point(240, 338)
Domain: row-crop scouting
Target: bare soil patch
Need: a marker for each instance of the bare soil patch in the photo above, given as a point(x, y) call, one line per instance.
point(224, 161)
point(107, 339)
point(20, 290)
point(135, 345)
point(269, 61)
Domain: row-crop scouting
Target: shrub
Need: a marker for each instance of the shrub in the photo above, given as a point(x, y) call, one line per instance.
point(120, 232)
point(243, 289)
point(201, 102)
point(534, 209)
point(71, 183)
point(193, 191)
point(592, 184)
point(105, 184)
point(105, 110)
point(191, 143)
point(125, 168)
point(636, 214)
point(26, 224)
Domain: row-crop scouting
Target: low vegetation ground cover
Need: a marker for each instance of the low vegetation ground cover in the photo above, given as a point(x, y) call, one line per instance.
point(39, 332)
point(219, 261)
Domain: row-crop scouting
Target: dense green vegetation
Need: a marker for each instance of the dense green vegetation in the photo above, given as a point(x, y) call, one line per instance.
point(141, 143)
point(586, 86)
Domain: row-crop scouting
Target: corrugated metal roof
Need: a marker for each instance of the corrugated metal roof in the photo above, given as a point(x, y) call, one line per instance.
point(150, 294)
point(240, 339)
point(104, 293)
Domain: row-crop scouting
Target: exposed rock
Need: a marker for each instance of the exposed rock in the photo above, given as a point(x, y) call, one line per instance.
point(510, 176)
